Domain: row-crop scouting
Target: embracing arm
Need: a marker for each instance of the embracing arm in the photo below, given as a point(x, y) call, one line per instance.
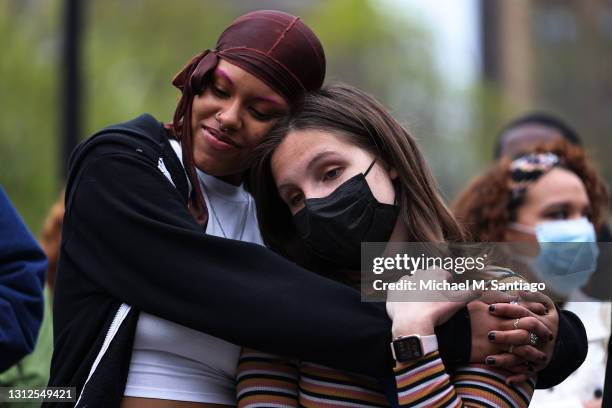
point(455, 342)
point(265, 380)
point(426, 381)
point(128, 235)
point(570, 350)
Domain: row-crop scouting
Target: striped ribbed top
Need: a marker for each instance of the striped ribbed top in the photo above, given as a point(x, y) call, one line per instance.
point(266, 380)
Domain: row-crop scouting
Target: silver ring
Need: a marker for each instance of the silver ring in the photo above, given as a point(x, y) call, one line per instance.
point(514, 302)
point(510, 348)
point(533, 338)
point(516, 323)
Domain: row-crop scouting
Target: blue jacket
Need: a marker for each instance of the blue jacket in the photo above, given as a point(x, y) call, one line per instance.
point(22, 275)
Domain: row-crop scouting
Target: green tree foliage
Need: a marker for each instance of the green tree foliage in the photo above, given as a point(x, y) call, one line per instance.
point(29, 39)
point(131, 49)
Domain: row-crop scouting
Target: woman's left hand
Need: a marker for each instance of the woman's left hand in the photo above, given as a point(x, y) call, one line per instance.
point(532, 307)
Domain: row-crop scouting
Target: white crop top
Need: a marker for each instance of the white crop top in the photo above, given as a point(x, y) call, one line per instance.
point(174, 362)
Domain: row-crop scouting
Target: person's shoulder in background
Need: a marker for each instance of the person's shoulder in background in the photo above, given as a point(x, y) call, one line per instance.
point(22, 274)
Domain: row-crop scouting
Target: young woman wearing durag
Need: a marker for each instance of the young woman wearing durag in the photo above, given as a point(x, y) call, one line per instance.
point(152, 274)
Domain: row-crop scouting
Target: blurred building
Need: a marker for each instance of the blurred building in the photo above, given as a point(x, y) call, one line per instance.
point(554, 55)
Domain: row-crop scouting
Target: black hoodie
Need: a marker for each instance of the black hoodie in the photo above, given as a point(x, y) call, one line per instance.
point(129, 239)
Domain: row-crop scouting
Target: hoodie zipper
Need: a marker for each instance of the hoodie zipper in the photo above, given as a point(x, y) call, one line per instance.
point(110, 334)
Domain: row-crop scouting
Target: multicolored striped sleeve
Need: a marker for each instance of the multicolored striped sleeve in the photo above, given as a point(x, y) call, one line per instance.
point(425, 383)
point(266, 380)
point(327, 387)
point(484, 386)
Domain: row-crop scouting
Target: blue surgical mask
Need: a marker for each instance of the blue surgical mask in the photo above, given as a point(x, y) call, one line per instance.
point(568, 253)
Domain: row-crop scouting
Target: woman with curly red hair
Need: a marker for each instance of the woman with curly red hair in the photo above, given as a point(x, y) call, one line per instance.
point(551, 197)
point(492, 201)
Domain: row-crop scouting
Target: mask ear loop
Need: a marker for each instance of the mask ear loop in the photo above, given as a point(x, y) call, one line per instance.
point(397, 186)
point(369, 168)
point(395, 200)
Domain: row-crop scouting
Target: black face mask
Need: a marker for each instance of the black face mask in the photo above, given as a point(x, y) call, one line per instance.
point(334, 227)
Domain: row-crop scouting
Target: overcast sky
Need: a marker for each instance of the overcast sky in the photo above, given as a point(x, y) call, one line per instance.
point(455, 28)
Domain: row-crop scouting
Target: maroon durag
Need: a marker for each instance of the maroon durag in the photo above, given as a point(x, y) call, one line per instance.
point(274, 46)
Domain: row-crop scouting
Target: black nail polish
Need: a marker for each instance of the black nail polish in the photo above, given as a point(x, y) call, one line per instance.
point(491, 308)
point(490, 361)
point(491, 336)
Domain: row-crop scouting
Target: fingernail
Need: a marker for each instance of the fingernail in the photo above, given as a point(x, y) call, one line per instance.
point(491, 308)
point(490, 361)
point(491, 336)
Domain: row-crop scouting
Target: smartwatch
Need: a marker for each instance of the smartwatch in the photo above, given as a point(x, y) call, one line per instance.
point(413, 347)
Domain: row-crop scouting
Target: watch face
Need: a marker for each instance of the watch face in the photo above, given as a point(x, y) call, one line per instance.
point(407, 348)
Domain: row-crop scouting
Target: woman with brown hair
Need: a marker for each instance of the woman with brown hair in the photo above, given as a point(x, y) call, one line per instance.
point(549, 203)
point(341, 171)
